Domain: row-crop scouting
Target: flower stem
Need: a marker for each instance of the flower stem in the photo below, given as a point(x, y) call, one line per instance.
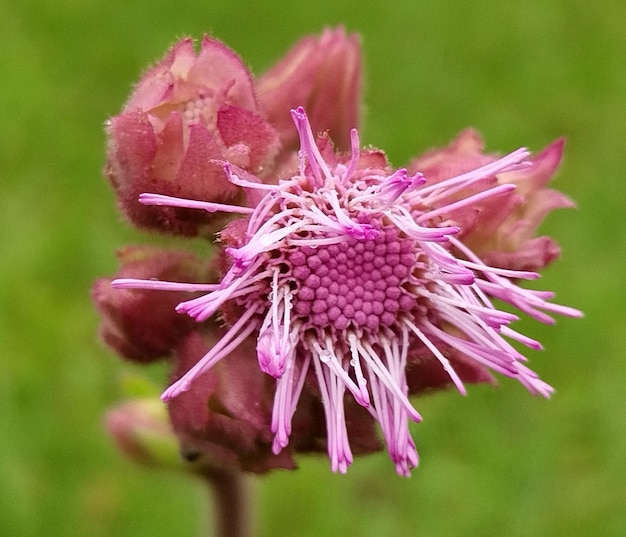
point(232, 503)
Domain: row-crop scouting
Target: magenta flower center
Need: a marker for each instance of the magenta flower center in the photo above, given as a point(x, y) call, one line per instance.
point(353, 284)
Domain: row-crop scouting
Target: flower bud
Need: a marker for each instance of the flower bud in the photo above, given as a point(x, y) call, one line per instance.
point(223, 420)
point(142, 325)
point(143, 433)
point(322, 74)
point(187, 114)
point(500, 229)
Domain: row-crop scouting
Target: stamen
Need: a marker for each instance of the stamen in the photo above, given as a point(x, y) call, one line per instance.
point(533, 384)
point(494, 358)
point(261, 242)
point(309, 150)
point(285, 402)
point(394, 424)
point(437, 353)
point(355, 148)
point(524, 340)
point(512, 162)
point(277, 338)
point(390, 188)
point(378, 369)
point(465, 302)
point(131, 283)
point(404, 221)
point(507, 273)
point(355, 362)
point(203, 307)
point(331, 391)
point(456, 273)
point(333, 360)
point(470, 200)
point(169, 201)
point(240, 177)
point(230, 341)
point(348, 226)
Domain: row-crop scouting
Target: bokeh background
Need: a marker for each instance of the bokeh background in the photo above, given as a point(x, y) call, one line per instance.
point(498, 462)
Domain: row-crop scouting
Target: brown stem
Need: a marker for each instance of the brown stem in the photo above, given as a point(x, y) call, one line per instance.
point(232, 503)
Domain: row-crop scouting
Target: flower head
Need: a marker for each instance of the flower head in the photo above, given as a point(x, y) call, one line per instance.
point(358, 288)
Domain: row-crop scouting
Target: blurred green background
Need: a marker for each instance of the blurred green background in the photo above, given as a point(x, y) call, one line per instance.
point(498, 462)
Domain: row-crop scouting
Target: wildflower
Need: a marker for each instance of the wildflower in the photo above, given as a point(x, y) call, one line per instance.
point(352, 278)
point(191, 110)
point(185, 112)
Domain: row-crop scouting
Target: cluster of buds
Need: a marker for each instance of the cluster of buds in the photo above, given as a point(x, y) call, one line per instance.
point(339, 286)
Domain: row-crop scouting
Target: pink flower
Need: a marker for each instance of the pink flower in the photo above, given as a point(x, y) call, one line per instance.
point(187, 111)
point(341, 286)
point(355, 286)
point(193, 109)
